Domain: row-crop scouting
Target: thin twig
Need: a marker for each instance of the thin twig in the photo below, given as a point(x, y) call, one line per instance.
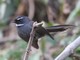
point(32, 34)
point(69, 49)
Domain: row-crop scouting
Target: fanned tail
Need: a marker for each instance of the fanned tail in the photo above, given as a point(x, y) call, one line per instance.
point(58, 28)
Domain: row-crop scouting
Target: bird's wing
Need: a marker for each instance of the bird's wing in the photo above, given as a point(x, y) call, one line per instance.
point(41, 31)
point(47, 33)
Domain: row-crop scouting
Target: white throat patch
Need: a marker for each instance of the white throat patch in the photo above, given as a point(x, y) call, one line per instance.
point(19, 24)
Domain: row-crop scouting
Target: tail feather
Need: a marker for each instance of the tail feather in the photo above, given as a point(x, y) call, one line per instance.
point(35, 43)
point(58, 28)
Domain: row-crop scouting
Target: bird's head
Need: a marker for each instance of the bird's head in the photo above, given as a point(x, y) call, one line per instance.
point(21, 20)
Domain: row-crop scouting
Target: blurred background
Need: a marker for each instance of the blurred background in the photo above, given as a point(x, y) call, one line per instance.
point(51, 12)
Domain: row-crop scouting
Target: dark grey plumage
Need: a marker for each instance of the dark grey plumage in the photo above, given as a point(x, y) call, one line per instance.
point(24, 27)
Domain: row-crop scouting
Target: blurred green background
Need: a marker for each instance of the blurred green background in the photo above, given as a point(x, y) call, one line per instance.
point(51, 12)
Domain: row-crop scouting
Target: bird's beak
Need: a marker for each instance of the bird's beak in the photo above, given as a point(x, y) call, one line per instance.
point(12, 21)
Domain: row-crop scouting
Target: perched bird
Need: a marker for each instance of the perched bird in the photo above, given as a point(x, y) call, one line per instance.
point(24, 27)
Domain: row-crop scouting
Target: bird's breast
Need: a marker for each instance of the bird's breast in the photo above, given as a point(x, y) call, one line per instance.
point(24, 32)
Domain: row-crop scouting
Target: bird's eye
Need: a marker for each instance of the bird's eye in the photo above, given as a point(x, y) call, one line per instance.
point(19, 20)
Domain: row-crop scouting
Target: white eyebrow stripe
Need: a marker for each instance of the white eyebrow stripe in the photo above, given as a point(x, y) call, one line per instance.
point(19, 18)
point(19, 24)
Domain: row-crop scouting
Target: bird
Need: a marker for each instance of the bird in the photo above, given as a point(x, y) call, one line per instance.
point(24, 26)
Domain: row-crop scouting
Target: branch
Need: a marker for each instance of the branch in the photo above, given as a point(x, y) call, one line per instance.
point(32, 34)
point(69, 49)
